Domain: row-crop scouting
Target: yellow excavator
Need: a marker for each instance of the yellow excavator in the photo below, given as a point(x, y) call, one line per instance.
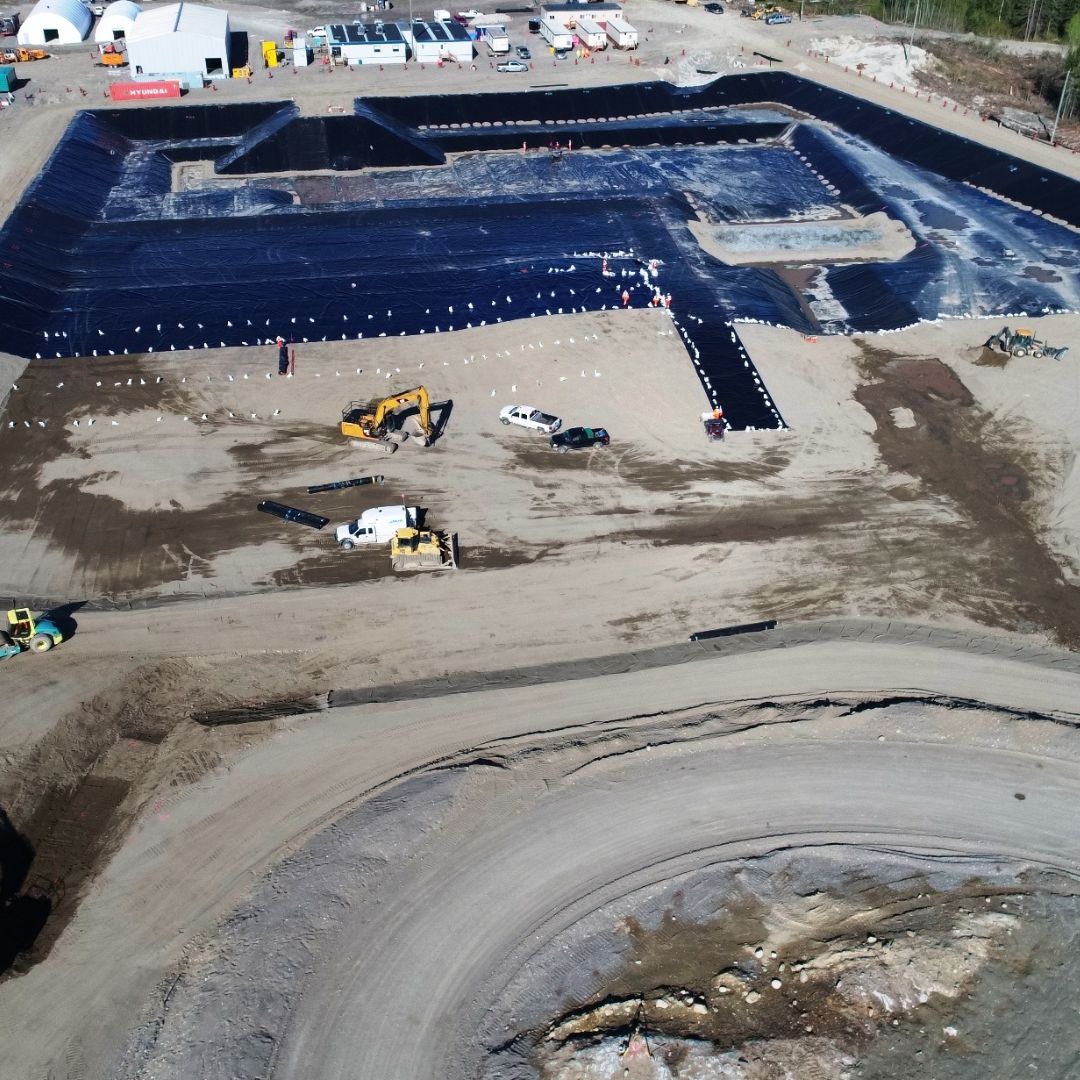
point(378, 424)
point(423, 549)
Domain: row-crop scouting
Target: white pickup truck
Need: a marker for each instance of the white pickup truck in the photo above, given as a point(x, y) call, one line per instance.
point(376, 526)
point(527, 417)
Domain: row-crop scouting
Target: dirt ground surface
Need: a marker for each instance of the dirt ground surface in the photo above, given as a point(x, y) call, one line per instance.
point(205, 869)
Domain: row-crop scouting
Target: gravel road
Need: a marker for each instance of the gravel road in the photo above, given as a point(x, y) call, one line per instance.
point(527, 863)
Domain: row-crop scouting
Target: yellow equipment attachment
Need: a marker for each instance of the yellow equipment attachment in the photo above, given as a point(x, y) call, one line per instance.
point(375, 423)
point(423, 549)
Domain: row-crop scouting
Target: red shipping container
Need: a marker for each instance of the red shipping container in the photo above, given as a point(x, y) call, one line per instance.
point(135, 91)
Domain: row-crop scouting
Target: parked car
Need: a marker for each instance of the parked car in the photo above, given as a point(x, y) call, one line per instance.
point(579, 438)
point(561, 54)
point(523, 52)
point(471, 13)
point(714, 9)
point(776, 18)
point(527, 417)
point(512, 65)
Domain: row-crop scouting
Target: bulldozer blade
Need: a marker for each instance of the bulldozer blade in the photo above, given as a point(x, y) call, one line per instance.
point(375, 444)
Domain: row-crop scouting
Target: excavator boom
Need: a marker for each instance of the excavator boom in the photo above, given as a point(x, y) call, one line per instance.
point(371, 423)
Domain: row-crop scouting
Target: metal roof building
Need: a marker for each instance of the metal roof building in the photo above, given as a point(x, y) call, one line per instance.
point(56, 22)
point(367, 43)
point(182, 40)
point(567, 14)
point(434, 41)
point(117, 22)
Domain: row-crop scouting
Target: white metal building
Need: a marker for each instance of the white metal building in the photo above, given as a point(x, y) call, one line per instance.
point(56, 22)
point(180, 40)
point(435, 41)
point(117, 22)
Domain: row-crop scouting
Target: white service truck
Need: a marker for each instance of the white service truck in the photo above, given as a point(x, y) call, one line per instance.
point(376, 526)
point(527, 417)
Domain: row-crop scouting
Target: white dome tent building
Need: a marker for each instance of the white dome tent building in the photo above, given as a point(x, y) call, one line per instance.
point(56, 22)
point(116, 23)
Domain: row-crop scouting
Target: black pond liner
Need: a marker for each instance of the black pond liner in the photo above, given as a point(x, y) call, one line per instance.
point(100, 256)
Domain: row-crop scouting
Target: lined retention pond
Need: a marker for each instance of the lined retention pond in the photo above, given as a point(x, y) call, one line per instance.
point(427, 214)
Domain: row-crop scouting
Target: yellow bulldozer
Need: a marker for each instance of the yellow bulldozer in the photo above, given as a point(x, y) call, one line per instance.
point(379, 424)
point(423, 549)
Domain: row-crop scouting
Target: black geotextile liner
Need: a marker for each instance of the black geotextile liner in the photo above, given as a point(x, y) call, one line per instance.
point(921, 144)
point(598, 136)
point(101, 256)
point(183, 123)
point(342, 143)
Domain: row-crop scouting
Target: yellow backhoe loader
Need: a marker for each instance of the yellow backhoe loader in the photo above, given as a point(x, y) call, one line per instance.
point(378, 425)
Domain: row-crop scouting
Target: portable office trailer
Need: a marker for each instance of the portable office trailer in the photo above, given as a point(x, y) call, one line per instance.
point(183, 40)
point(367, 43)
point(621, 34)
point(440, 40)
point(568, 14)
point(56, 22)
point(497, 39)
point(591, 35)
point(556, 35)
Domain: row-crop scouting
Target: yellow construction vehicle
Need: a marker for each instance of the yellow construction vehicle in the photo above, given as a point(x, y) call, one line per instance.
point(379, 424)
point(423, 549)
point(23, 56)
point(23, 632)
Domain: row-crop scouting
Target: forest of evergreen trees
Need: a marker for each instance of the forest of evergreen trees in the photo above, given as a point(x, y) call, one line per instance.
point(1029, 20)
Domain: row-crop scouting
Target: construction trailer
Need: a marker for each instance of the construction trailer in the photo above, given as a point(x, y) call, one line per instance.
point(621, 34)
point(366, 43)
point(591, 34)
point(556, 35)
point(440, 40)
point(496, 38)
point(569, 14)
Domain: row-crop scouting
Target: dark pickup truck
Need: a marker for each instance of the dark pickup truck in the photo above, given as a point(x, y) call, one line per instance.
point(579, 438)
